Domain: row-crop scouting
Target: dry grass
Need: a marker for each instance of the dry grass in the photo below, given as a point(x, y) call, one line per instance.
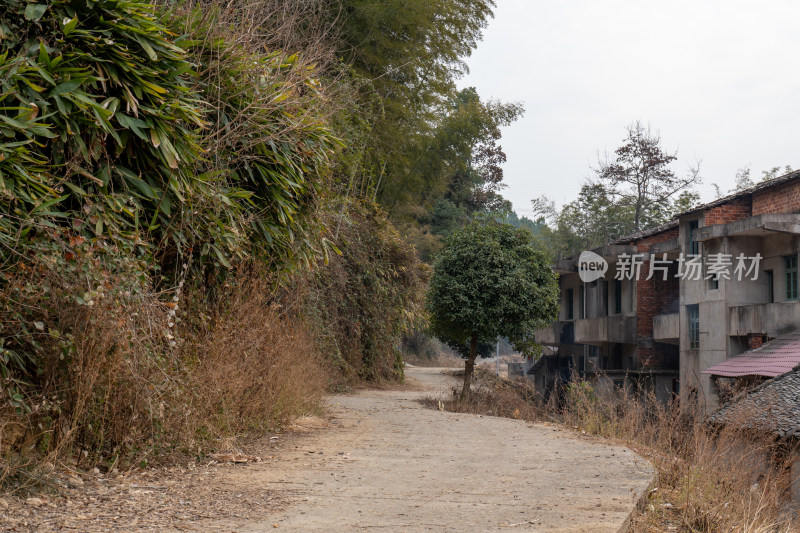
point(708, 479)
point(255, 367)
point(141, 380)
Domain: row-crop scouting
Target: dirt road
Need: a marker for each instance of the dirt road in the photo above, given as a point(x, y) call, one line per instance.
point(393, 465)
point(383, 463)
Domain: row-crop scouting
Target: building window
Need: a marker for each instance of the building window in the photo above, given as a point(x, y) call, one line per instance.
point(606, 299)
point(617, 296)
point(570, 305)
point(616, 357)
point(582, 302)
point(790, 261)
point(694, 246)
point(694, 326)
point(770, 286)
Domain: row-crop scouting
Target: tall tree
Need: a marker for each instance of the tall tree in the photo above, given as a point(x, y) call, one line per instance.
point(404, 57)
point(460, 172)
point(490, 280)
point(641, 176)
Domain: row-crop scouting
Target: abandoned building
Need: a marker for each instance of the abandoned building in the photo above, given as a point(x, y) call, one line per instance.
point(685, 307)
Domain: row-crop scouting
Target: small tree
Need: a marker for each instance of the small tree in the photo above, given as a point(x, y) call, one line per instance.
point(490, 281)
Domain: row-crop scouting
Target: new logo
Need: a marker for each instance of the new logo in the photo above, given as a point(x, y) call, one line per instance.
point(591, 266)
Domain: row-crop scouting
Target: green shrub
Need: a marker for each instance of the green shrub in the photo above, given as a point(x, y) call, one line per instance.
point(268, 143)
point(98, 120)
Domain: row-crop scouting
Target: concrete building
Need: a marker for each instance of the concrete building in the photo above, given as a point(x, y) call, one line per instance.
point(670, 333)
point(722, 319)
point(605, 327)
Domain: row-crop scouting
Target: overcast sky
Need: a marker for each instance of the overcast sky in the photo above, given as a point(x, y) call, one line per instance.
point(718, 79)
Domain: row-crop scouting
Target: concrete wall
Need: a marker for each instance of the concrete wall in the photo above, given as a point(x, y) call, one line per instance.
point(601, 330)
point(667, 328)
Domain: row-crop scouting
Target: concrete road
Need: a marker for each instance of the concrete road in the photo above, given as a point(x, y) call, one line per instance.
point(390, 464)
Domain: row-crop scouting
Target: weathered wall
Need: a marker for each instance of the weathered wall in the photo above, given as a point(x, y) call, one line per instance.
point(654, 297)
point(782, 199)
point(729, 212)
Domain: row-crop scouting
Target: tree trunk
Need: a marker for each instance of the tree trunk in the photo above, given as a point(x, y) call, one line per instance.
point(469, 366)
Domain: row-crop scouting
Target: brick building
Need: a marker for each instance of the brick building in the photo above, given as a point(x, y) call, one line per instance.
point(669, 333)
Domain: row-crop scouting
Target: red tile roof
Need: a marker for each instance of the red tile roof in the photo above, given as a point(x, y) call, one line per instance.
point(773, 359)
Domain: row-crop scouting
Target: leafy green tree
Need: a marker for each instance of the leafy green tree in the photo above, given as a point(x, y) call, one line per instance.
point(490, 281)
point(460, 173)
point(511, 217)
point(411, 51)
point(685, 201)
point(596, 217)
point(462, 163)
point(403, 58)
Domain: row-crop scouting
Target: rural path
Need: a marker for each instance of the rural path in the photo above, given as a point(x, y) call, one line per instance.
point(394, 465)
point(383, 462)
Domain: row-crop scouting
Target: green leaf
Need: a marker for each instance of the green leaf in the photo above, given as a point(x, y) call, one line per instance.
point(34, 12)
point(45, 205)
point(70, 25)
point(148, 49)
point(221, 257)
point(66, 87)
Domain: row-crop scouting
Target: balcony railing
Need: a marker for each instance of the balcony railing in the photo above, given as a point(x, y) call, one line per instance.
point(621, 329)
point(773, 319)
point(666, 328)
point(556, 334)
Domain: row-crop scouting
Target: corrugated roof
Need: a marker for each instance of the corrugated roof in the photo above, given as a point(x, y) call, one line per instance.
point(647, 232)
point(773, 359)
point(773, 406)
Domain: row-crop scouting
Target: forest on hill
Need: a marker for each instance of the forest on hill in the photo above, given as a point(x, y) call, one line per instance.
point(214, 211)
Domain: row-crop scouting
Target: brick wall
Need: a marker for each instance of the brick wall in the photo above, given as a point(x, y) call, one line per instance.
point(730, 211)
point(782, 199)
point(654, 297)
point(756, 340)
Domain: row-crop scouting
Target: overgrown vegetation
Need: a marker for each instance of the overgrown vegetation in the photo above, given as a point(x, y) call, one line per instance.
point(708, 478)
point(199, 211)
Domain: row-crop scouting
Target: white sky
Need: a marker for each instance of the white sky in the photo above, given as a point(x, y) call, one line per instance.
point(719, 79)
